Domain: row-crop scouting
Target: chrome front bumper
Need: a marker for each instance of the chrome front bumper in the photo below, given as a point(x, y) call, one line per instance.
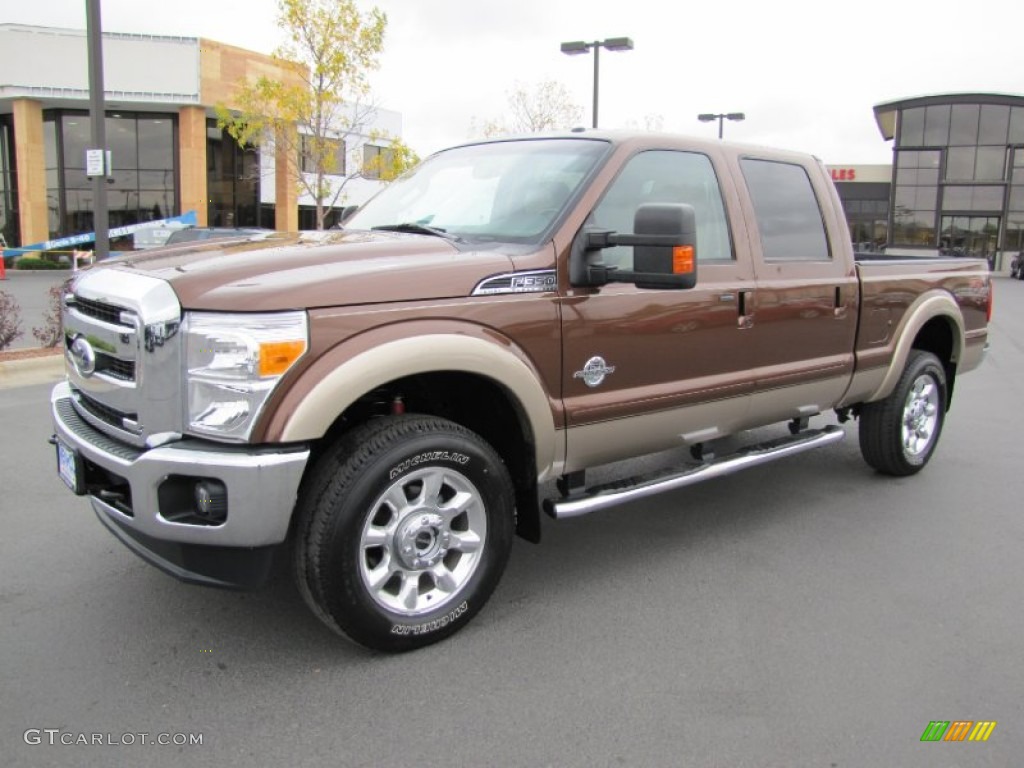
point(262, 484)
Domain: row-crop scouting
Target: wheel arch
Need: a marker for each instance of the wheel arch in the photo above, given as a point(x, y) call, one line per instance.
point(933, 323)
point(489, 387)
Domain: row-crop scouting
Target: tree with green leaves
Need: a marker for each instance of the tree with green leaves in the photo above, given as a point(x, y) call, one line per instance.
point(322, 117)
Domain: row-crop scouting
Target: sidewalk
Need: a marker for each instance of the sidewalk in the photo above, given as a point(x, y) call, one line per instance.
point(41, 367)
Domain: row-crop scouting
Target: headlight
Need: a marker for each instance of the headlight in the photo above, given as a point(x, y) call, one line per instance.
point(233, 364)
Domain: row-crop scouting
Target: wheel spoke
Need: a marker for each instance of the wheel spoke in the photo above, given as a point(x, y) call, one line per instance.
point(431, 488)
point(464, 541)
point(409, 594)
point(397, 502)
point(379, 576)
point(443, 578)
point(375, 537)
point(456, 505)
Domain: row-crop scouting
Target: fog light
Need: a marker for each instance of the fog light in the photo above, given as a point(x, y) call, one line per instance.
point(211, 500)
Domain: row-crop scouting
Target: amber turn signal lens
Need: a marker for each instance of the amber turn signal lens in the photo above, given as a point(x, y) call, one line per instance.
point(682, 259)
point(276, 357)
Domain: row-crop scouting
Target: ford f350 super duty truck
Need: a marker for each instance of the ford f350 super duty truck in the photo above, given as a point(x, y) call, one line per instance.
point(385, 404)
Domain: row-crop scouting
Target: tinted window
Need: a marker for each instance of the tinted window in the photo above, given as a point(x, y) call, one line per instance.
point(912, 127)
point(787, 211)
point(936, 125)
point(660, 176)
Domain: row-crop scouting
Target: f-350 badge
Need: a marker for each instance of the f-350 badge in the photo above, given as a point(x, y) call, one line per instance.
point(594, 371)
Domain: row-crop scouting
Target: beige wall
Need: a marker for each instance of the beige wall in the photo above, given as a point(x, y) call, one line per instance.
point(31, 161)
point(222, 68)
point(192, 159)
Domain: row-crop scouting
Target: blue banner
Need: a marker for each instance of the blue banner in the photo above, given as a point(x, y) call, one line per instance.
point(63, 243)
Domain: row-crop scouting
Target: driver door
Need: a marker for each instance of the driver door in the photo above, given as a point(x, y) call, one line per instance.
point(645, 370)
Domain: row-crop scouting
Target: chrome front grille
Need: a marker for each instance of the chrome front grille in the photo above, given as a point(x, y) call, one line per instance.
point(108, 416)
point(118, 369)
point(123, 384)
point(100, 311)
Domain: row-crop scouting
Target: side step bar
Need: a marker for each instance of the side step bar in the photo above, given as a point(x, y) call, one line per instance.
point(604, 496)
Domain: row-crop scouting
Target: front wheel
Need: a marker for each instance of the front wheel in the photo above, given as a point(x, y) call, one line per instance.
point(898, 434)
point(404, 531)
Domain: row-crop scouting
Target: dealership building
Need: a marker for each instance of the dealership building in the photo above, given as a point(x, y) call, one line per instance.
point(956, 184)
point(168, 156)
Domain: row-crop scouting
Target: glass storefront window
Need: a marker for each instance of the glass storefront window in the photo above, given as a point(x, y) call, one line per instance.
point(1014, 234)
point(914, 228)
point(75, 136)
point(1017, 125)
point(963, 125)
point(972, 198)
point(143, 182)
point(991, 165)
point(960, 163)
point(232, 182)
point(995, 120)
point(936, 125)
point(912, 127)
point(156, 143)
point(9, 224)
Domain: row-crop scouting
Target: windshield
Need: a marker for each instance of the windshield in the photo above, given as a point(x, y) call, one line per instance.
point(510, 191)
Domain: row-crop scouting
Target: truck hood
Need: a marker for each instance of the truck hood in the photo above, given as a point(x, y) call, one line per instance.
point(314, 269)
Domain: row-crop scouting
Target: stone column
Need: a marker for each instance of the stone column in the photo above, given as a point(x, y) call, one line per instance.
point(30, 158)
point(192, 160)
point(286, 193)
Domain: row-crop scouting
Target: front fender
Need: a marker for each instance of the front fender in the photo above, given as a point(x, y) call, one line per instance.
point(359, 365)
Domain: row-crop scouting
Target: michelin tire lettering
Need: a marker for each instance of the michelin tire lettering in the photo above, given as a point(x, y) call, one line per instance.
point(430, 626)
point(457, 458)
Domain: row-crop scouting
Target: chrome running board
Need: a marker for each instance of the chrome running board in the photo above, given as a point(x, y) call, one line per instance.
point(604, 496)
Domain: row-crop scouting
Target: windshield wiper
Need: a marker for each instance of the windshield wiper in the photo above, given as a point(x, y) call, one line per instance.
point(417, 229)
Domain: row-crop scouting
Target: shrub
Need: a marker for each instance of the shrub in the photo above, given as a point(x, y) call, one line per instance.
point(10, 320)
point(51, 333)
point(34, 262)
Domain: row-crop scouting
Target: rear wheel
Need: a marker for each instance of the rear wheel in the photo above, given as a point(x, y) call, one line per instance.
point(898, 434)
point(404, 532)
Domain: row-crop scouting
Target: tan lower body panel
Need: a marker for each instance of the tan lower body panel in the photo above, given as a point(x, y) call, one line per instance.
point(591, 445)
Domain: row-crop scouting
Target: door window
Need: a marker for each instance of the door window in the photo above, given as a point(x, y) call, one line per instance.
point(661, 176)
point(787, 212)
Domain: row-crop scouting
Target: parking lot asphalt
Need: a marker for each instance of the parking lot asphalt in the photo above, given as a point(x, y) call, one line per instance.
point(805, 613)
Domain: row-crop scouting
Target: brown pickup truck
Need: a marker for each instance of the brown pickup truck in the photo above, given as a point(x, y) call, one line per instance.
point(388, 403)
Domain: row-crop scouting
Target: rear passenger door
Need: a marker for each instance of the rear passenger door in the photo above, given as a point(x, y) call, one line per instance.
point(803, 317)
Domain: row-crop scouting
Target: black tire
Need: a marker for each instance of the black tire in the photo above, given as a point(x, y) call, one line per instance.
point(404, 530)
point(898, 434)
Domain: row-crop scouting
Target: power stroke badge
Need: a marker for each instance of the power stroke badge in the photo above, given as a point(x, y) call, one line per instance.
point(594, 371)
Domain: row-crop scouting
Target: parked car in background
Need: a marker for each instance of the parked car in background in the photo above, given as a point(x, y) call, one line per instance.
point(1017, 266)
point(195, 234)
point(155, 236)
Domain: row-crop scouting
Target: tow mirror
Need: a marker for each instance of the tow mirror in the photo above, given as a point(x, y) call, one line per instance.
point(664, 244)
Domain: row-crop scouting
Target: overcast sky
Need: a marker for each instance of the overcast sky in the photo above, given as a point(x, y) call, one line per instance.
point(806, 74)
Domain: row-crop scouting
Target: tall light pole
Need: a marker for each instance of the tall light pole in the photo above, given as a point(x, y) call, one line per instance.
point(97, 115)
point(707, 117)
point(612, 44)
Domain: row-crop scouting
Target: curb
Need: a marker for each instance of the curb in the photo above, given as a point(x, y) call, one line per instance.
point(30, 371)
